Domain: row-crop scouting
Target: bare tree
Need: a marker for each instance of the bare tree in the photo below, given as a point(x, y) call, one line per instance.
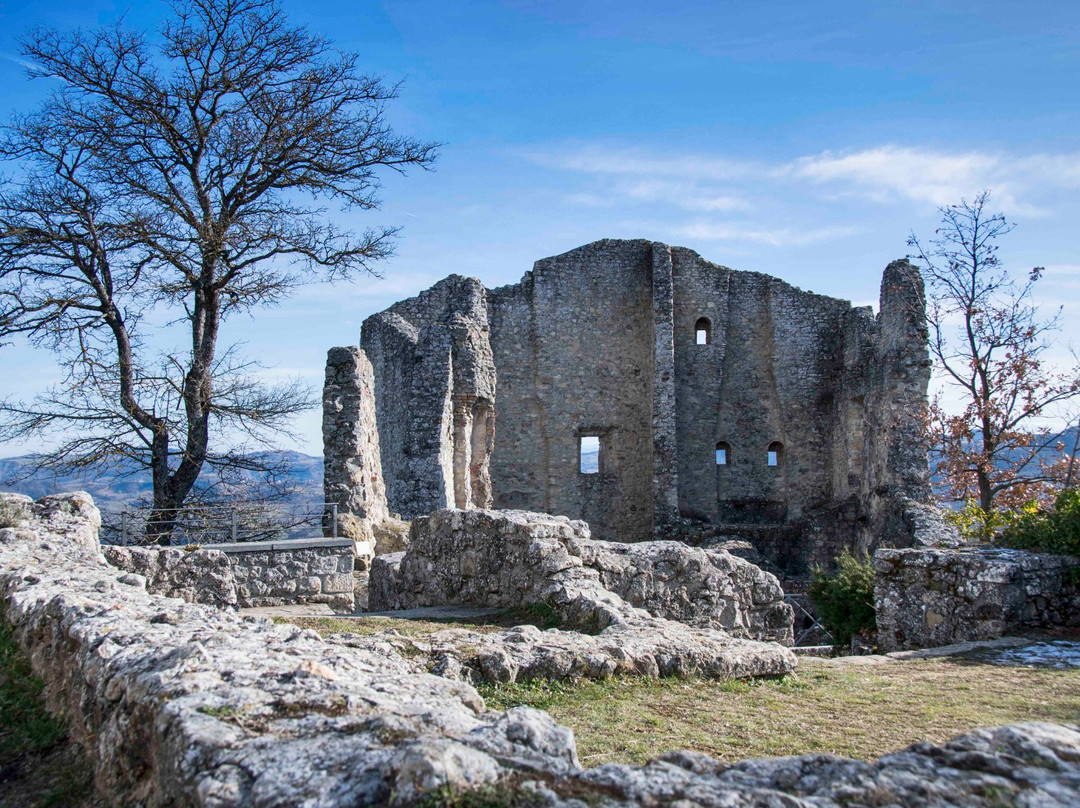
point(168, 183)
point(989, 341)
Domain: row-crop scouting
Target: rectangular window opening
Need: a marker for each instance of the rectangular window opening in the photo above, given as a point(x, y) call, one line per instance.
point(774, 458)
point(702, 337)
point(721, 457)
point(589, 454)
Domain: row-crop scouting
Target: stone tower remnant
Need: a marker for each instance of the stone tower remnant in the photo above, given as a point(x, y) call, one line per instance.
point(722, 403)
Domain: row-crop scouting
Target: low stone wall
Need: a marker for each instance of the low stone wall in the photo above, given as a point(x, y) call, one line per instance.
point(707, 588)
point(931, 597)
point(187, 705)
point(195, 576)
point(276, 573)
point(245, 574)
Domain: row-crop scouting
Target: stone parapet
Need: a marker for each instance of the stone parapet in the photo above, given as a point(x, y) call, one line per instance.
point(932, 597)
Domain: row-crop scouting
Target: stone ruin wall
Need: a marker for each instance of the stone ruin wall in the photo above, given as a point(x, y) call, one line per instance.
point(181, 704)
point(481, 397)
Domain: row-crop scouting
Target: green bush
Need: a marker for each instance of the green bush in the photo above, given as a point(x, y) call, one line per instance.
point(844, 600)
point(978, 525)
point(1053, 531)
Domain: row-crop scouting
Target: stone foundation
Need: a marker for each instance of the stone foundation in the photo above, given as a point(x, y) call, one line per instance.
point(931, 597)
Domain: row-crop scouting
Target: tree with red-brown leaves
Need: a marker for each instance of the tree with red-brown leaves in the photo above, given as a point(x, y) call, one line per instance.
point(989, 341)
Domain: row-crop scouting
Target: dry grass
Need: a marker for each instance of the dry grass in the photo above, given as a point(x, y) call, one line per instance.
point(854, 711)
point(844, 708)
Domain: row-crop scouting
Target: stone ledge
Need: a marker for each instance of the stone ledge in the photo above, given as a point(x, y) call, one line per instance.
point(278, 546)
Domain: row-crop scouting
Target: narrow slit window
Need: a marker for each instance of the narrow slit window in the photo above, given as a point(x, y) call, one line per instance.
point(723, 454)
point(589, 454)
point(775, 449)
point(703, 331)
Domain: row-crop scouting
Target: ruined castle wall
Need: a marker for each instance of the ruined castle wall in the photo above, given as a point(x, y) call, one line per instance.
point(766, 376)
point(585, 369)
point(435, 391)
point(483, 398)
point(352, 461)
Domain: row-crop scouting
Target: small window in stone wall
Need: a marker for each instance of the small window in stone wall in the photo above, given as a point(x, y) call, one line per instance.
point(775, 449)
point(589, 454)
point(723, 454)
point(703, 331)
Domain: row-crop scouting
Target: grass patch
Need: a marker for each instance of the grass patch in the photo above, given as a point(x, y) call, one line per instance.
point(839, 707)
point(39, 766)
point(861, 711)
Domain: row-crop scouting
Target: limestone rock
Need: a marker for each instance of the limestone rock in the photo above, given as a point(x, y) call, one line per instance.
point(391, 535)
point(197, 576)
point(708, 588)
point(512, 558)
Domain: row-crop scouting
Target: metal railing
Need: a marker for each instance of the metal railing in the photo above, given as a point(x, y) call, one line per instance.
point(797, 602)
point(235, 522)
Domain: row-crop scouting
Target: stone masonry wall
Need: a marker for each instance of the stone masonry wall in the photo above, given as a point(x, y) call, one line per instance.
point(186, 705)
point(932, 597)
point(600, 342)
point(297, 571)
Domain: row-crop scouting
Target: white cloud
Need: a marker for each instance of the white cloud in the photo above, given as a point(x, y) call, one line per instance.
point(883, 174)
point(778, 237)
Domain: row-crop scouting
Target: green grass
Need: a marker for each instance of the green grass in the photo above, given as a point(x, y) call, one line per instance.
point(39, 766)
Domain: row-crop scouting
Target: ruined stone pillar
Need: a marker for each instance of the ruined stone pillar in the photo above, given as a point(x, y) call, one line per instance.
point(352, 464)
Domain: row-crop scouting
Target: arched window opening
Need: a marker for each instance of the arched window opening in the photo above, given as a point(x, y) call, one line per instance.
point(703, 331)
point(775, 448)
point(723, 454)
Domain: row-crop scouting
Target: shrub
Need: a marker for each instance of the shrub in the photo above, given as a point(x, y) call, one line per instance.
point(11, 513)
point(1053, 531)
point(975, 524)
point(844, 600)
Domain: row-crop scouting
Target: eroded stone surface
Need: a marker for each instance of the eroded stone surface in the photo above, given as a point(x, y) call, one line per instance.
point(187, 705)
point(708, 588)
point(514, 558)
point(930, 597)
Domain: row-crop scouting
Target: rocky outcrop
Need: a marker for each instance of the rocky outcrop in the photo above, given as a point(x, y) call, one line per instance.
point(707, 588)
point(195, 576)
point(187, 705)
point(512, 558)
point(930, 597)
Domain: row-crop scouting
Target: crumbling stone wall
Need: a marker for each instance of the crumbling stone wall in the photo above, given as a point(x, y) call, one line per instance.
point(352, 460)
point(434, 396)
point(187, 705)
point(276, 573)
point(645, 597)
point(931, 597)
point(601, 342)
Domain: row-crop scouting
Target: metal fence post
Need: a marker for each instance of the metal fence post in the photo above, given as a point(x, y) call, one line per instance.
point(333, 509)
point(234, 524)
point(123, 528)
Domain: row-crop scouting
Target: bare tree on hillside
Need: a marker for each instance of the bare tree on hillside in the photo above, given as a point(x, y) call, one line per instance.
point(168, 183)
point(989, 341)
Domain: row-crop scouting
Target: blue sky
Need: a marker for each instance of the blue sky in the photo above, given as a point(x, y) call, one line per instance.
point(805, 140)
